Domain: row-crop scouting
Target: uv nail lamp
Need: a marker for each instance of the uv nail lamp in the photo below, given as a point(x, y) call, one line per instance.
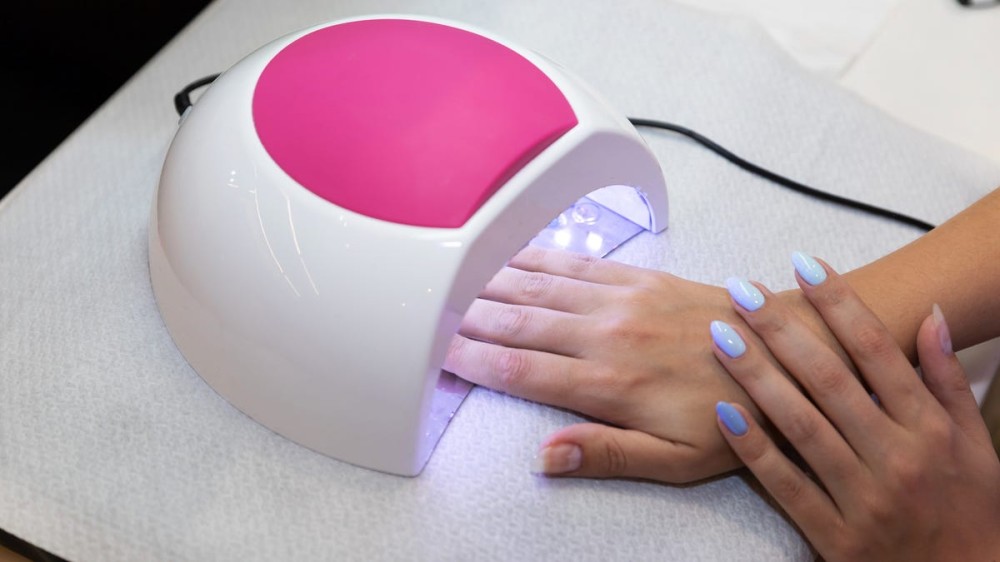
point(334, 202)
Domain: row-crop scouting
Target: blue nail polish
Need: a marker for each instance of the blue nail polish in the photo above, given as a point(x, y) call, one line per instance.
point(731, 418)
point(809, 269)
point(744, 293)
point(727, 339)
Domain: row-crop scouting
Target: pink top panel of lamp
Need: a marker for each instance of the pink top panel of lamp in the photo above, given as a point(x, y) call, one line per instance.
point(406, 121)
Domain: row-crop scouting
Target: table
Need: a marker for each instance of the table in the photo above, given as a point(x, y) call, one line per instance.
point(112, 448)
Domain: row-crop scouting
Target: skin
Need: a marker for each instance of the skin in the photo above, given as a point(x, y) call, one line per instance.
point(587, 335)
point(912, 476)
point(629, 348)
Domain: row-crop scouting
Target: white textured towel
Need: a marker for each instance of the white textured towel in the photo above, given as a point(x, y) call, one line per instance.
point(112, 448)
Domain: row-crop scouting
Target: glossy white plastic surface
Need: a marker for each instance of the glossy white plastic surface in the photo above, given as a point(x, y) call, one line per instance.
point(330, 327)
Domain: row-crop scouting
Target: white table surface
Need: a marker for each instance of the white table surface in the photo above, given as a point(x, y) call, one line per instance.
point(112, 448)
point(929, 63)
point(933, 64)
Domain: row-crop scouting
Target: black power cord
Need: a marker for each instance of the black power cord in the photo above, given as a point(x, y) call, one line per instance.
point(779, 179)
point(182, 101)
point(979, 3)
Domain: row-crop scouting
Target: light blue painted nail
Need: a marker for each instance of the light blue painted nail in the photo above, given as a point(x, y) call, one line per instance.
point(809, 269)
point(727, 339)
point(744, 293)
point(731, 418)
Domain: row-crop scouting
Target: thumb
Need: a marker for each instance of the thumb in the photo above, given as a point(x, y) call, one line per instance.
point(945, 378)
point(592, 450)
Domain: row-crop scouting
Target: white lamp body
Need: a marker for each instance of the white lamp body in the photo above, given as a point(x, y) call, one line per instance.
point(330, 326)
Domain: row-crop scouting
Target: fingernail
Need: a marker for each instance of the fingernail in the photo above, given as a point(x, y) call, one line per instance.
point(809, 269)
point(943, 333)
point(557, 459)
point(731, 418)
point(727, 339)
point(744, 293)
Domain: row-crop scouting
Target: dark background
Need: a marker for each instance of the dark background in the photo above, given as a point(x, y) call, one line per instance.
point(60, 60)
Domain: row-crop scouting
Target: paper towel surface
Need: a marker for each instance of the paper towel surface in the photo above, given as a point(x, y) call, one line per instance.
point(112, 448)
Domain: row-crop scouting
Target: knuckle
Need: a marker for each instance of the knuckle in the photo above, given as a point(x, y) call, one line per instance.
point(530, 256)
point(905, 475)
point(881, 511)
point(615, 459)
point(456, 350)
point(654, 281)
point(939, 432)
point(874, 341)
point(610, 393)
point(827, 377)
point(788, 488)
point(510, 368)
point(512, 321)
point(878, 508)
point(616, 327)
point(910, 480)
point(619, 327)
point(580, 263)
point(606, 381)
point(801, 428)
point(636, 301)
point(535, 285)
point(627, 331)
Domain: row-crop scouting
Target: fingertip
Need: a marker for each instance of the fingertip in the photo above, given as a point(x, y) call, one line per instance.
point(611, 452)
point(934, 346)
point(744, 293)
point(557, 459)
point(808, 268)
point(733, 422)
point(943, 374)
point(731, 419)
point(727, 339)
point(942, 331)
point(581, 450)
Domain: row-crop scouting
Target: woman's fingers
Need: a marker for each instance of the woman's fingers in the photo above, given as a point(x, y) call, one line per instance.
point(820, 371)
point(535, 375)
point(802, 498)
point(575, 266)
point(536, 288)
point(925, 481)
point(812, 435)
point(873, 350)
point(945, 378)
point(594, 450)
point(525, 327)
